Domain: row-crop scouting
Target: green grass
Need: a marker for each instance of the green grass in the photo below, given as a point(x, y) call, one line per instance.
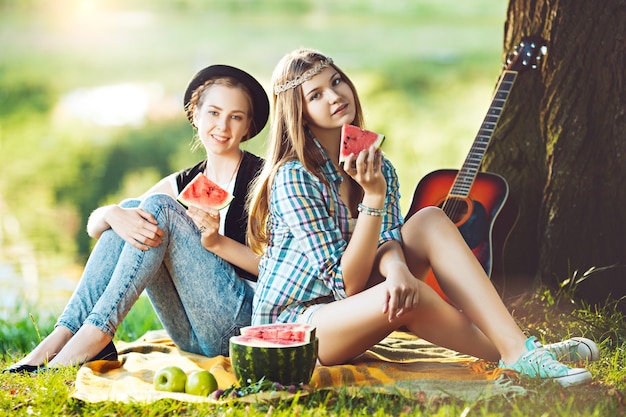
point(549, 314)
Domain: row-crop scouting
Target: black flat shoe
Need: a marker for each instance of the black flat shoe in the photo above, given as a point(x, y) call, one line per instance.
point(109, 353)
point(21, 369)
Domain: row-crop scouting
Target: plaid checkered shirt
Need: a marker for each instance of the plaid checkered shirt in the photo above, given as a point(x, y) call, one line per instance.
point(310, 229)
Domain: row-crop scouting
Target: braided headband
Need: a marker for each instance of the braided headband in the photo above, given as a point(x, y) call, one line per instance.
point(305, 76)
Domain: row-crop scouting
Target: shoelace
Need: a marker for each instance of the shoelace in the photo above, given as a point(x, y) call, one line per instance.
point(564, 348)
point(543, 358)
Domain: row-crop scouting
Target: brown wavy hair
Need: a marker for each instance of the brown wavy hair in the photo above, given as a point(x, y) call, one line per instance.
point(288, 139)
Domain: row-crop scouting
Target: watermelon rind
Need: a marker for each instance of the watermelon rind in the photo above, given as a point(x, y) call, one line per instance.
point(202, 192)
point(354, 140)
point(287, 365)
point(296, 332)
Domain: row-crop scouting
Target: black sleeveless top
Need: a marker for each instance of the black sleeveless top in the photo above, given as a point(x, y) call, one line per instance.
point(236, 222)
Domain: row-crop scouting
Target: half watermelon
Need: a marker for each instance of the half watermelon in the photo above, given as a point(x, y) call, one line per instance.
point(281, 352)
point(354, 140)
point(203, 192)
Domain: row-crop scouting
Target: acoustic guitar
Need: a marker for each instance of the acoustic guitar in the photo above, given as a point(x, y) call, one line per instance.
point(478, 202)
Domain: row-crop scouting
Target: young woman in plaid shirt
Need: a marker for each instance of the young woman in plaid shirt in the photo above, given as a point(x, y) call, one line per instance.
point(337, 253)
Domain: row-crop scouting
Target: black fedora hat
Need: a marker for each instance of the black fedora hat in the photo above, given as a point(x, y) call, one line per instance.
point(260, 102)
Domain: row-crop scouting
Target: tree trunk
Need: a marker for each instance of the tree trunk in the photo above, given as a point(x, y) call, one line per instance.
point(561, 145)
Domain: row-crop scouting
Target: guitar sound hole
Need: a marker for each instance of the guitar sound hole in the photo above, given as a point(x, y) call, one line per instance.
point(455, 208)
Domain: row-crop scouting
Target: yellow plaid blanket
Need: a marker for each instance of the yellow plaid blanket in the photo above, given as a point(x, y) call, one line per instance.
point(400, 364)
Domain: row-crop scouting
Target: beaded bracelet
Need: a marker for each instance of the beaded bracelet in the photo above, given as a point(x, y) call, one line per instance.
point(371, 211)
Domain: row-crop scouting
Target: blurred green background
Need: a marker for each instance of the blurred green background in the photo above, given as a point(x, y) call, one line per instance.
point(91, 92)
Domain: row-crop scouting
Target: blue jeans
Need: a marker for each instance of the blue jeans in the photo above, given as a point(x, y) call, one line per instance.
point(198, 297)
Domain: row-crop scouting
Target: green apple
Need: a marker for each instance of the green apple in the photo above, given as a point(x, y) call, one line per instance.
point(201, 383)
point(170, 378)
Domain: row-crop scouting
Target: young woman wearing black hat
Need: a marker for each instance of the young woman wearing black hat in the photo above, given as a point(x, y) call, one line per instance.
point(192, 262)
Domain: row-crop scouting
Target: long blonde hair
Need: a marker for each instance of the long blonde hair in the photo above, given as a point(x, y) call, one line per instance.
point(288, 139)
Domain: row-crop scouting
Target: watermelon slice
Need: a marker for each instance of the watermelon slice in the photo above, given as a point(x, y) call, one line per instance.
point(280, 352)
point(354, 140)
point(203, 192)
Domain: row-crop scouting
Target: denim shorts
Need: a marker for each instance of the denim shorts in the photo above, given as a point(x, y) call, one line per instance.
point(306, 317)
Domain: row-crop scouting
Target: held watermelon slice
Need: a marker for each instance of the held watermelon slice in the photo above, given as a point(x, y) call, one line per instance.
point(354, 140)
point(270, 352)
point(203, 192)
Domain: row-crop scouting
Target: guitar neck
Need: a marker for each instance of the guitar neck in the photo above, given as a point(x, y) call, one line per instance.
point(467, 174)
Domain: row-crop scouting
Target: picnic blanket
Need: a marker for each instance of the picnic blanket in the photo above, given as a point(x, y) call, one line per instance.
point(400, 364)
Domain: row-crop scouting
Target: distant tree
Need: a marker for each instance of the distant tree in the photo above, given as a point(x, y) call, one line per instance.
point(561, 145)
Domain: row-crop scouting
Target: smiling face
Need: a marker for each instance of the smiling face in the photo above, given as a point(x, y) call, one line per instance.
point(222, 118)
point(328, 102)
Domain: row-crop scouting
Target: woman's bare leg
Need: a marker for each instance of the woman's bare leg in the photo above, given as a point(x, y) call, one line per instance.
point(48, 348)
point(348, 327)
point(85, 344)
point(430, 238)
point(483, 327)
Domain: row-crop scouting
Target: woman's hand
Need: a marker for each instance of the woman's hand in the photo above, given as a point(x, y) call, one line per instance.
point(402, 291)
point(208, 221)
point(135, 226)
point(366, 169)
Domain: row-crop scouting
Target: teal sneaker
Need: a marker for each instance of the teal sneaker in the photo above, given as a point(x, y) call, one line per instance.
point(574, 350)
point(538, 362)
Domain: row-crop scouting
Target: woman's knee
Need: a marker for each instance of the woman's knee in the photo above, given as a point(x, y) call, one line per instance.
point(130, 203)
point(426, 220)
point(155, 201)
point(425, 234)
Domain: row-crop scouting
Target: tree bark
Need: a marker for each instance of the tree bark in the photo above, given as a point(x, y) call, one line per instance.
point(561, 145)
